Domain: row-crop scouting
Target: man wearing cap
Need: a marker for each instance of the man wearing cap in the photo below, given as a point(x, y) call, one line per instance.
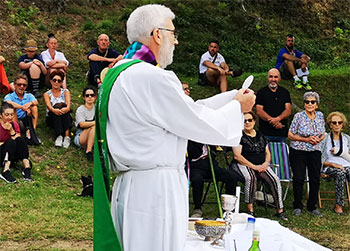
point(100, 58)
point(33, 66)
point(4, 83)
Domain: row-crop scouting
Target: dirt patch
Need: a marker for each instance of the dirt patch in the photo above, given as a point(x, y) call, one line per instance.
point(46, 245)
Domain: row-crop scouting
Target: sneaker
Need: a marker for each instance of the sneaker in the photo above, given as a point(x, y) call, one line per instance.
point(298, 84)
point(297, 211)
point(37, 94)
point(66, 142)
point(90, 156)
point(7, 176)
point(316, 212)
point(307, 86)
point(58, 141)
point(197, 213)
point(282, 216)
point(27, 174)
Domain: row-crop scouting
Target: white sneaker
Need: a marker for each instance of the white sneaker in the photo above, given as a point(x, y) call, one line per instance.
point(66, 142)
point(58, 141)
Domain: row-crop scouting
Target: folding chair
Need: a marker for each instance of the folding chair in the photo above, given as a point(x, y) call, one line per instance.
point(320, 193)
point(280, 161)
point(209, 182)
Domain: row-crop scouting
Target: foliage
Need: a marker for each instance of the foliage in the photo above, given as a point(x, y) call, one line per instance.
point(21, 15)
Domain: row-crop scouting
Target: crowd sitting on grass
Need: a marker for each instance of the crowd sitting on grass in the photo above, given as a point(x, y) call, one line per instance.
point(306, 133)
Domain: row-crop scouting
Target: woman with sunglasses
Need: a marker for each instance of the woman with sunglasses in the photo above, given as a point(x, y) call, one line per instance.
point(12, 146)
point(253, 157)
point(85, 122)
point(58, 102)
point(335, 165)
point(306, 132)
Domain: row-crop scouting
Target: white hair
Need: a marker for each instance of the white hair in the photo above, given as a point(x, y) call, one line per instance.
point(144, 20)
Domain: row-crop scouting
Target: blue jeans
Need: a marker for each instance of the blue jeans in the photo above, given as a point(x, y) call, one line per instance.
point(276, 138)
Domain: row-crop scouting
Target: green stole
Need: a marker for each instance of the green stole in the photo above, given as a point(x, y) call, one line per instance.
point(105, 236)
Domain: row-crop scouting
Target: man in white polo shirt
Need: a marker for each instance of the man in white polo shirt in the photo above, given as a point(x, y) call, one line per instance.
point(213, 68)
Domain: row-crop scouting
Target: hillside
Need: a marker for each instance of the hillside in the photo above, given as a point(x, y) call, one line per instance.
point(249, 39)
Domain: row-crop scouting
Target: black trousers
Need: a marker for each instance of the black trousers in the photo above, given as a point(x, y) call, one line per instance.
point(60, 123)
point(201, 170)
point(299, 160)
point(17, 149)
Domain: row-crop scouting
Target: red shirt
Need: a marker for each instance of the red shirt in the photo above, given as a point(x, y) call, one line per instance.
point(5, 134)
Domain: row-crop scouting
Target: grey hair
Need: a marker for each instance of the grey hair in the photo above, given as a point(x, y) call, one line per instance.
point(144, 20)
point(312, 94)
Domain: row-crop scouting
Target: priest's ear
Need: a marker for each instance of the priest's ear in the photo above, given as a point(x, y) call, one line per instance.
point(156, 36)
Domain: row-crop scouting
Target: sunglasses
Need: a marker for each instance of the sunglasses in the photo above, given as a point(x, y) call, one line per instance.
point(310, 102)
point(22, 85)
point(186, 89)
point(90, 95)
point(248, 120)
point(337, 122)
point(56, 80)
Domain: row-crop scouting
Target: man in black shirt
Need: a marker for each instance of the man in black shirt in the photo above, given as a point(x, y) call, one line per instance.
point(100, 58)
point(273, 106)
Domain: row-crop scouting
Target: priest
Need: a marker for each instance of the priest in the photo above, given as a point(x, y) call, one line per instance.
point(149, 120)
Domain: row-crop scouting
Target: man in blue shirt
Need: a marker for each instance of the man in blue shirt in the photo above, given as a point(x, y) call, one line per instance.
point(100, 58)
point(290, 61)
point(25, 103)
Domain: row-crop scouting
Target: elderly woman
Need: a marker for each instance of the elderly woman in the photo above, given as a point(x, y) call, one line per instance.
point(85, 122)
point(253, 157)
point(335, 164)
point(12, 146)
point(58, 102)
point(306, 132)
point(54, 60)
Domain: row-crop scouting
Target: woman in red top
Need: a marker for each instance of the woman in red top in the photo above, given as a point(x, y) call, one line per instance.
point(12, 146)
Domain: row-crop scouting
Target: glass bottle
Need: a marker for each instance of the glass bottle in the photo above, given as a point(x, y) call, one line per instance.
point(255, 243)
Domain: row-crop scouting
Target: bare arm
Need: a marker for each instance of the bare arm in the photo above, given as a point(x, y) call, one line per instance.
point(213, 66)
point(67, 101)
point(237, 152)
point(86, 124)
point(95, 57)
point(25, 66)
point(331, 164)
point(2, 59)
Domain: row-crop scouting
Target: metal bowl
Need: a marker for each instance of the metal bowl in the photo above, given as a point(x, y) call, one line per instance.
point(210, 232)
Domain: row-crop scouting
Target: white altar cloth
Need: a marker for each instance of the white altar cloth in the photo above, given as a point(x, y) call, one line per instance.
point(273, 237)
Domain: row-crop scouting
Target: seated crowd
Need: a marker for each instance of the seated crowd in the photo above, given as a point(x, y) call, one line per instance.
point(311, 148)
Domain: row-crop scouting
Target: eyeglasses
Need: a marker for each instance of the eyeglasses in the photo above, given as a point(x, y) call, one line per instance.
point(186, 89)
point(90, 95)
point(22, 85)
point(56, 80)
point(310, 102)
point(337, 122)
point(248, 120)
point(8, 114)
point(176, 33)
